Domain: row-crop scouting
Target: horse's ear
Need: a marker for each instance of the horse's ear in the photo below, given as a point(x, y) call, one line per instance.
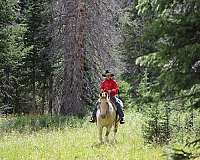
point(106, 94)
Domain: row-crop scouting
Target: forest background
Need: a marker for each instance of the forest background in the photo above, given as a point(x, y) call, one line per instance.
point(53, 52)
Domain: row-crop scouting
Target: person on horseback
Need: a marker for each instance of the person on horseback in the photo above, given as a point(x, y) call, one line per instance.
point(109, 85)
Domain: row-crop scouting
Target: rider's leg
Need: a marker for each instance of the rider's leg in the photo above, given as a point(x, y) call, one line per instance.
point(94, 111)
point(119, 108)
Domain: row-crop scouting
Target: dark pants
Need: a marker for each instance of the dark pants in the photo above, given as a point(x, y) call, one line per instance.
point(116, 101)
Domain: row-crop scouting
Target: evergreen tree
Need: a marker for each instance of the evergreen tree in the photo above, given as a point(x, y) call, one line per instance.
point(11, 52)
point(174, 35)
point(131, 26)
point(38, 64)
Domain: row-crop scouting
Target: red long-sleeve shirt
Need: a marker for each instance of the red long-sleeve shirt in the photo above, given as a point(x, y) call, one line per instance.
point(110, 85)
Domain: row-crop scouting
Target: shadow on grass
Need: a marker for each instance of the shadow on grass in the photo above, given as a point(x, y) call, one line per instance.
point(31, 123)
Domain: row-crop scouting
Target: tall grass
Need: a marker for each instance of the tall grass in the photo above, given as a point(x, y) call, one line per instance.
point(37, 122)
point(78, 141)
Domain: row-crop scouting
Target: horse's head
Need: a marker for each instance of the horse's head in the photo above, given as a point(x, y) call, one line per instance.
point(104, 95)
point(104, 99)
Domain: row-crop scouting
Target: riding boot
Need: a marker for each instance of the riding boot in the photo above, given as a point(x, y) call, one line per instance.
point(122, 121)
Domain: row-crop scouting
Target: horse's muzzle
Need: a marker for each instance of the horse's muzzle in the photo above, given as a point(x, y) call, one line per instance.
point(103, 116)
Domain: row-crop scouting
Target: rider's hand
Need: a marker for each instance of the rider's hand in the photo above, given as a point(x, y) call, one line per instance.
point(102, 90)
point(109, 91)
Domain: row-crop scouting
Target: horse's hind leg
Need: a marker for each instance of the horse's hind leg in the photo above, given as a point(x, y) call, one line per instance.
point(107, 133)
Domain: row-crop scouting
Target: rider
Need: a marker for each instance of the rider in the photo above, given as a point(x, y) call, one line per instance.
point(109, 85)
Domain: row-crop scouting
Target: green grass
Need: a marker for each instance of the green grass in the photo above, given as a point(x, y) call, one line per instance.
point(78, 143)
point(34, 123)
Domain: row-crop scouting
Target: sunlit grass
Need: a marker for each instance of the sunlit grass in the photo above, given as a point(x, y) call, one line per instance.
point(79, 143)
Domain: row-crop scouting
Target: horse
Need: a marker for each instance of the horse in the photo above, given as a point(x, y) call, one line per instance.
point(106, 116)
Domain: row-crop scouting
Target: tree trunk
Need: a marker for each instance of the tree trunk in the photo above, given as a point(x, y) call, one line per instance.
point(50, 96)
point(42, 110)
point(34, 88)
point(74, 30)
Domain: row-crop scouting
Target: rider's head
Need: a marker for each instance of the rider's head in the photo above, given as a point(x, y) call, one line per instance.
point(108, 75)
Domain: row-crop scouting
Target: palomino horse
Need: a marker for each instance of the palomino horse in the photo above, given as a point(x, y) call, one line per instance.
point(106, 117)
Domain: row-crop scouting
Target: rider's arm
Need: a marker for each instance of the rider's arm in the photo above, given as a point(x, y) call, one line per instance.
point(115, 88)
point(102, 88)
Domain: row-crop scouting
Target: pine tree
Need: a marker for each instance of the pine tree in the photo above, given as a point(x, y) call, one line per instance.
point(11, 52)
point(38, 66)
point(173, 33)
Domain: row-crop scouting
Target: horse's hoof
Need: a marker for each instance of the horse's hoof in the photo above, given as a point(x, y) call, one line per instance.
point(101, 143)
point(106, 141)
point(114, 141)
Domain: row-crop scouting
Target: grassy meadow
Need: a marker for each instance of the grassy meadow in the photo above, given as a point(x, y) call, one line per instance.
point(74, 142)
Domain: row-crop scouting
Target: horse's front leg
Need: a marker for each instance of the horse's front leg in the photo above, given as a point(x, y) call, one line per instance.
point(107, 133)
point(100, 134)
point(115, 131)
